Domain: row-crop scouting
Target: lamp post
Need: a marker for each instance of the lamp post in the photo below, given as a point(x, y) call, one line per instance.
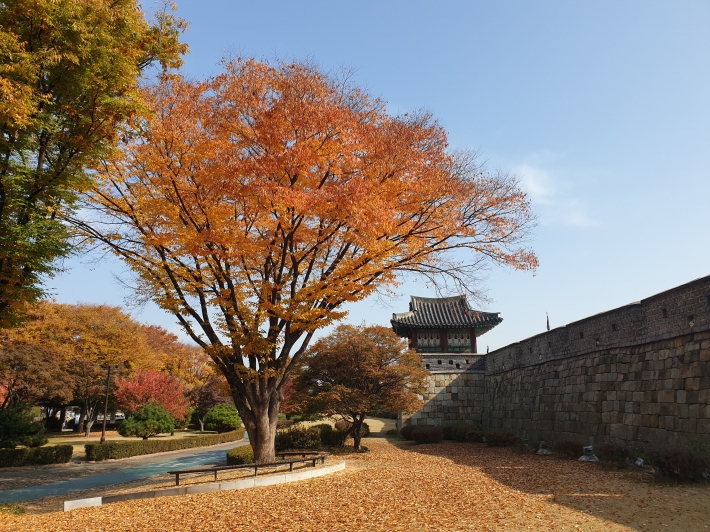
point(108, 382)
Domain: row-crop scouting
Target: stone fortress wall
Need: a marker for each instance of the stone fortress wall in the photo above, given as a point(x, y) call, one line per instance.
point(639, 372)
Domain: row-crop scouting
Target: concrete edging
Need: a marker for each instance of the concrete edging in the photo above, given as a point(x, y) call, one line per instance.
point(207, 488)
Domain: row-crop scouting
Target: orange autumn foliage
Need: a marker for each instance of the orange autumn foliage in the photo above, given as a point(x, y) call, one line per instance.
point(254, 204)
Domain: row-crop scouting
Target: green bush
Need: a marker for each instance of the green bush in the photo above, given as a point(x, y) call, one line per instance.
point(297, 438)
point(240, 455)
point(17, 427)
point(150, 420)
point(53, 454)
point(501, 439)
point(427, 434)
point(126, 449)
point(406, 431)
point(569, 448)
point(223, 418)
point(474, 436)
point(681, 463)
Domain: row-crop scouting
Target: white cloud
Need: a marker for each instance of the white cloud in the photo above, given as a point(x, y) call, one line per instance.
point(551, 196)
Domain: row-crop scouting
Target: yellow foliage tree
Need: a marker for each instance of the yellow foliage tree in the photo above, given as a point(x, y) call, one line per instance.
point(253, 205)
point(72, 344)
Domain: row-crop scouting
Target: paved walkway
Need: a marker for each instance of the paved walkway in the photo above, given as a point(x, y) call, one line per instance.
point(132, 469)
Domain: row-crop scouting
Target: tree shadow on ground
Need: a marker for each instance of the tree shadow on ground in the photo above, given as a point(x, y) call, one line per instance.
point(631, 498)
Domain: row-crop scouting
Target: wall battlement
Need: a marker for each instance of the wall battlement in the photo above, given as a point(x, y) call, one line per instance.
point(634, 324)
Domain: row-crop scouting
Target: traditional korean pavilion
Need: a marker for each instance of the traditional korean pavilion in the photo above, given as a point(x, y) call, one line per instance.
point(443, 324)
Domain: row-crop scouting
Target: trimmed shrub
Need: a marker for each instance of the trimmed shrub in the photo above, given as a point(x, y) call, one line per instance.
point(126, 449)
point(458, 432)
point(474, 436)
point(391, 432)
point(427, 434)
point(569, 449)
point(501, 439)
point(406, 432)
point(296, 439)
point(18, 427)
point(333, 437)
point(284, 423)
point(681, 463)
point(53, 454)
point(223, 418)
point(323, 426)
point(240, 455)
point(149, 421)
point(448, 429)
point(613, 452)
point(342, 425)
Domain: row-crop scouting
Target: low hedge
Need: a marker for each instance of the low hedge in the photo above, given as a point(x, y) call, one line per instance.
point(474, 436)
point(680, 463)
point(240, 455)
point(501, 439)
point(53, 454)
point(126, 449)
point(298, 438)
point(569, 449)
point(427, 434)
point(406, 431)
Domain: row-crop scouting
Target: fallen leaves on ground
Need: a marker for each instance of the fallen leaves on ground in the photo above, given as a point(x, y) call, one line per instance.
point(405, 487)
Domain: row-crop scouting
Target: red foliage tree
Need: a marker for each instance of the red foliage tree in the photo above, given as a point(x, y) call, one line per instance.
point(150, 385)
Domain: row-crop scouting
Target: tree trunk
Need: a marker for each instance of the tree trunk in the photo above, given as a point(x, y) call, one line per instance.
point(82, 417)
point(357, 427)
point(260, 424)
point(90, 418)
point(202, 424)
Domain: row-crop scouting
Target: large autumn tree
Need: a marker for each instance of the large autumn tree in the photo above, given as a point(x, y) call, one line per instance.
point(355, 370)
point(255, 204)
point(68, 80)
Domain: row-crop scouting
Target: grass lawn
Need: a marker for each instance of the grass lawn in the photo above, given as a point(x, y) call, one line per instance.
point(77, 441)
point(400, 486)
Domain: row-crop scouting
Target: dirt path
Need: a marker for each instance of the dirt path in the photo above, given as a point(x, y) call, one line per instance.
point(404, 487)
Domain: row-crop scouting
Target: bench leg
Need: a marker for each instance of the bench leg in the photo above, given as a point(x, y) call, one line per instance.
point(255, 468)
point(215, 476)
point(177, 480)
point(290, 466)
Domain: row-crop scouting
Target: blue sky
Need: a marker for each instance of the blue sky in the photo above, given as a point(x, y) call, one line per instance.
point(602, 109)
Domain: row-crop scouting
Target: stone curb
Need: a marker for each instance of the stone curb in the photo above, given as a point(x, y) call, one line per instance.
point(206, 488)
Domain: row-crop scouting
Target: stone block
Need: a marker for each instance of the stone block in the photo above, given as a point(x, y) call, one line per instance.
point(82, 503)
point(237, 484)
point(202, 488)
point(171, 492)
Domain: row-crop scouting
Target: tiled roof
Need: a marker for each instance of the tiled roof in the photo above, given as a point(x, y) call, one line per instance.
point(445, 312)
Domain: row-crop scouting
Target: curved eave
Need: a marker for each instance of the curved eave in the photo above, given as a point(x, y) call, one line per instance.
point(403, 330)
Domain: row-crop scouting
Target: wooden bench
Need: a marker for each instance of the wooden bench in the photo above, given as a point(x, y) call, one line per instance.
point(313, 457)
